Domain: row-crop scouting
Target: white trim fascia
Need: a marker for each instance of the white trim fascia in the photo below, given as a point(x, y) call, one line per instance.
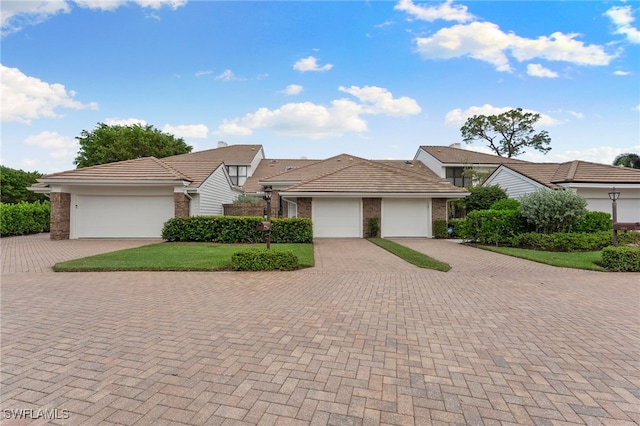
point(282, 184)
point(604, 185)
point(112, 182)
point(451, 195)
point(40, 189)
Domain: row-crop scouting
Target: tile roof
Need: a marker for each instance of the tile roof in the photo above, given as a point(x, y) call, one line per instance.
point(364, 176)
point(196, 171)
point(272, 167)
point(578, 171)
point(449, 154)
point(313, 170)
point(146, 168)
point(230, 155)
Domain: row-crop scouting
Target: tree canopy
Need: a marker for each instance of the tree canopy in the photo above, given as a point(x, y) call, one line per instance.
point(627, 160)
point(14, 184)
point(108, 144)
point(508, 134)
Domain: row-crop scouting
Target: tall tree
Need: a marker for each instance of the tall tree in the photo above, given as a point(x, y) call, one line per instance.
point(628, 160)
point(107, 144)
point(14, 184)
point(508, 134)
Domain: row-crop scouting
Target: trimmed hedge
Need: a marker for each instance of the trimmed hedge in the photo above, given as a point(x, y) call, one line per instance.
point(440, 229)
point(492, 226)
point(563, 241)
point(621, 258)
point(24, 218)
point(264, 260)
point(594, 222)
point(236, 229)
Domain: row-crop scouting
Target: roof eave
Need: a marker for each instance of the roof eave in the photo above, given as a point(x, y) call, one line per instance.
point(375, 194)
point(115, 182)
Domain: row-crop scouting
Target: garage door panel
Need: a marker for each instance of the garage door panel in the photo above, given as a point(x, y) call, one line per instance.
point(337, 218)
point(406, 217)
point(121, 216)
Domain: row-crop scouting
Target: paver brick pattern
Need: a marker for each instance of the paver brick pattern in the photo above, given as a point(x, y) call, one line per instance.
point(362, 338)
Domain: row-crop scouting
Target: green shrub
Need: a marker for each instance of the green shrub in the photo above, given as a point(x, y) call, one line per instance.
point(594, 222)
point(440, 228)
point(236, 229)
point(621, 258)
point(245, 198)
point(492, 226)
point(456, 225)
point(563, 241)
point(482, 197)
point(264, 260)
point(506, 204)
point(373, 227)
point(552, 211)
point(24, 218)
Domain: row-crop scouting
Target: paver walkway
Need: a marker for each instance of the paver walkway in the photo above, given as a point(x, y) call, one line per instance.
point(359, 339)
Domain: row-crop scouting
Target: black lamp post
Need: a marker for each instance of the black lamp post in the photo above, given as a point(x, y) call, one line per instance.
point(267, 197)
point(613, 196)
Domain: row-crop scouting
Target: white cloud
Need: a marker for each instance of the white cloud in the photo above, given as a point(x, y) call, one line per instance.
point(377, 100)
point(27, 98)
point(196, 131)
point(621, 73)
point(537, 70)
point(600, 154)
point(124, 121)
point(15, 14)
point(58, 145)
point(310, 64)
point(485, 41)
point(457, 117)
point(445, 11)
point(622, 18)
point(227, 75)
point(293, 89)
point(114, 4)
point(203, 73)
point(316, 121)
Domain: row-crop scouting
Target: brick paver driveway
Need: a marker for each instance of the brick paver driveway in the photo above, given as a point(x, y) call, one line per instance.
point(362, 338)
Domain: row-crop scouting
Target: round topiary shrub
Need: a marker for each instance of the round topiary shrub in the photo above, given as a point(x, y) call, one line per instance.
point(552, 211)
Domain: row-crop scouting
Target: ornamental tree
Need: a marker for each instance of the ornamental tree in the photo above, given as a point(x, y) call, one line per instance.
point(108, 144)
point(508, 134)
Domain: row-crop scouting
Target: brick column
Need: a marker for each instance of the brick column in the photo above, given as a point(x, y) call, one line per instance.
point(60, 225)
point(181, 204)
point(371, 207)
point(304, 207)
point(439, 211)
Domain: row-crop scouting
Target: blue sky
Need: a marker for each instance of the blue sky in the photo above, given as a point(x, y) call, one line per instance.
point(314, 79)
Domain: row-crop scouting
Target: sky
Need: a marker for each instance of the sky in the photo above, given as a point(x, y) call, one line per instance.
point(313, 79)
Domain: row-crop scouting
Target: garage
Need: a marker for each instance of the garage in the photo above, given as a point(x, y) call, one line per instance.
point(337, 217)
point(111, 216)
point(404, 217)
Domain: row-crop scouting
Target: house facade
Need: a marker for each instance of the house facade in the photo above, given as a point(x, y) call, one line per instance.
point(591, 180)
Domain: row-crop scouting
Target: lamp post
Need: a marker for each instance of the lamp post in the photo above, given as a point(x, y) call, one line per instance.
point(613, 196)
point(267, 197)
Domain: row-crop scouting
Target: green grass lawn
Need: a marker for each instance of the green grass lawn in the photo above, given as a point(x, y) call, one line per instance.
point(176, 257)
point(421, 260)
point(576, 260)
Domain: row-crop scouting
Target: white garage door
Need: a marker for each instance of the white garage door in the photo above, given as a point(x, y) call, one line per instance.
point(121, 216)
point(406, 218)
point(336, 217)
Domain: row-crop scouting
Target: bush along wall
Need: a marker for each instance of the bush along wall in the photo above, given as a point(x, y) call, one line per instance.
point(264, 260)
point(236, 229)
point(621, 258)
point(24, 218)
point(492, 226)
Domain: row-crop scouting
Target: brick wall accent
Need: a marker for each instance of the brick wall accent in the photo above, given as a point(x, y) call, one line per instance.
point(304, 207)
point(439, 206)
point(181, 204)
point(244, 209)
point(371, 207)
point(60, 215)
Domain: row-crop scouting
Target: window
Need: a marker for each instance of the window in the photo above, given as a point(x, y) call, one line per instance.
point(238, 174)
point(454, 175)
